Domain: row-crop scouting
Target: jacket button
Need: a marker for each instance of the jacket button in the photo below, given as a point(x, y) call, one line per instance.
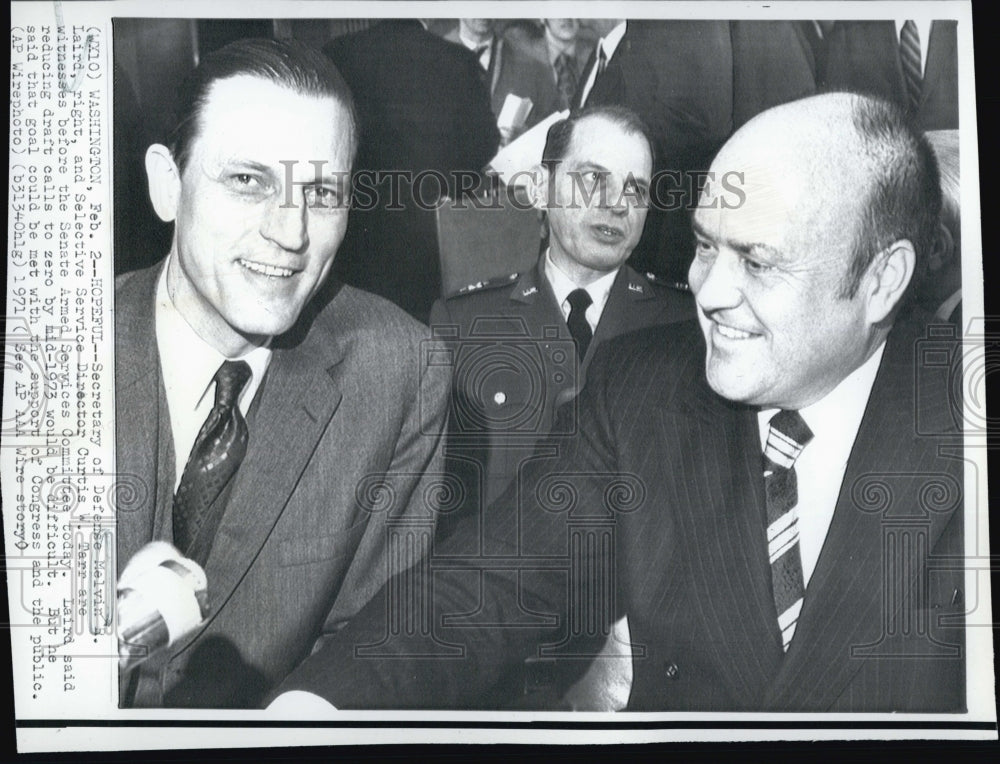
point(671, 670)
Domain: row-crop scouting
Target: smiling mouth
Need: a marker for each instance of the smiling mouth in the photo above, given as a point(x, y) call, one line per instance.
point(271, 271)
point(733, 333)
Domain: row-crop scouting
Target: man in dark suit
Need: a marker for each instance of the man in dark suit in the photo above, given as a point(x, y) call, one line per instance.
point(423, 109)
point(507, 71)
point(775, 500)
point(560, 46)
point(320, 395)
point(872, 57)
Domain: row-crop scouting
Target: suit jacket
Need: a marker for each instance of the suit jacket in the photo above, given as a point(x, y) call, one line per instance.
point(864, 56)
point(537, 48)
point(422, 107)
point(657, 506)
point(678, 76)
point(773, 63)
point(515, 364)
point(304, 539)
point(513, 72)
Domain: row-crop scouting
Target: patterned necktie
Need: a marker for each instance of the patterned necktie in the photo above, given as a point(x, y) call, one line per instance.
point(787, 436)
point(216, 455)
point(909, 57)
point(565, 78)
point(579, 300)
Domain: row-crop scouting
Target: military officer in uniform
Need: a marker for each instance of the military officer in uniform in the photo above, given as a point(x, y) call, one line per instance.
point(520, 345)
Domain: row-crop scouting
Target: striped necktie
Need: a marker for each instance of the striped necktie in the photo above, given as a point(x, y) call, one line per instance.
point(787, 436)
point(909, 58)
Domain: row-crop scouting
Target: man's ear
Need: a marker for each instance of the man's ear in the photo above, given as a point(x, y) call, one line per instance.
point(943, 250)
point(890, 275)
point(164, 181)
point(538, 187)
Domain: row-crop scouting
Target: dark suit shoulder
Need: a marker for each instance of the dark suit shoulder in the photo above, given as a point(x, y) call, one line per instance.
point(672, 355)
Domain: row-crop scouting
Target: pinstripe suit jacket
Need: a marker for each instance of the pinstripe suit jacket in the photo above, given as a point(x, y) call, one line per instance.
point(656, 507)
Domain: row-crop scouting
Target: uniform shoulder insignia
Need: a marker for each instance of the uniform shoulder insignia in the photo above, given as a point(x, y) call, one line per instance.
point(680, 286)
point(481, 286)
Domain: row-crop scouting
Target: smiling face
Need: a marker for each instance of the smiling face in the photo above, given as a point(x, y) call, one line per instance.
point(251, 248)
point(595, 198)
point(768, 277)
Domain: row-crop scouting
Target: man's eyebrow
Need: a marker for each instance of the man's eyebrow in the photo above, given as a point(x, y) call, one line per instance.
point(587, 165)
point(742, 247)
point(249, 164)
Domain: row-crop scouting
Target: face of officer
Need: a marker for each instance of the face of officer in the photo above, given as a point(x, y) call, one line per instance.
point(769, 274)
point(595, 197)
point(260, 209)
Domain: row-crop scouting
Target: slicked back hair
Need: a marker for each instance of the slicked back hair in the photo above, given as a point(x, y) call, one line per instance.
point(289, 64)
point(560, 134)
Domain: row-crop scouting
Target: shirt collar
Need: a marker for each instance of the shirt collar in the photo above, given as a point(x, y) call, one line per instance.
point(562, 285)
point(839, 413)
point(473, 46)
point(188, 363)
point(613, 39)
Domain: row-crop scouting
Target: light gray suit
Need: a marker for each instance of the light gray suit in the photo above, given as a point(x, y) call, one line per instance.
point(344, 448)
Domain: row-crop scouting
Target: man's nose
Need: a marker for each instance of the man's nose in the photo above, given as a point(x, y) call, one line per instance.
point(715, 282)
point(286, 223)
point(618, 200)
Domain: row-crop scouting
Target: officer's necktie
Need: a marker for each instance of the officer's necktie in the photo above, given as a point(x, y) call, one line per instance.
point(216, 455)
point(579, 300)
point(909, 57)
point(565, 78)
point(786, 438)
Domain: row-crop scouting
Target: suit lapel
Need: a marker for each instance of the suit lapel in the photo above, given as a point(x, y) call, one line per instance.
point(723, 523)
point(941, 51)
point(300, 395)
point(496, 64)
point(138, 391)
point(844, 600)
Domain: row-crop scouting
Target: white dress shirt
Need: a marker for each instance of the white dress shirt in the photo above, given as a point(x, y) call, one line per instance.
point(485, 56)
point(924, 30)
point(562, 285)
point(819, 470)
point(189, 365)
point(609, 44)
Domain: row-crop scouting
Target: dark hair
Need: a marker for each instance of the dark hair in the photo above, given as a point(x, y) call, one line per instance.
point(560, 134)
point(903, 199)
point(288, 63)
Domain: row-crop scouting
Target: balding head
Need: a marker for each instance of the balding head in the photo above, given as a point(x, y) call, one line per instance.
point(850, 163)
point(798, 285)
